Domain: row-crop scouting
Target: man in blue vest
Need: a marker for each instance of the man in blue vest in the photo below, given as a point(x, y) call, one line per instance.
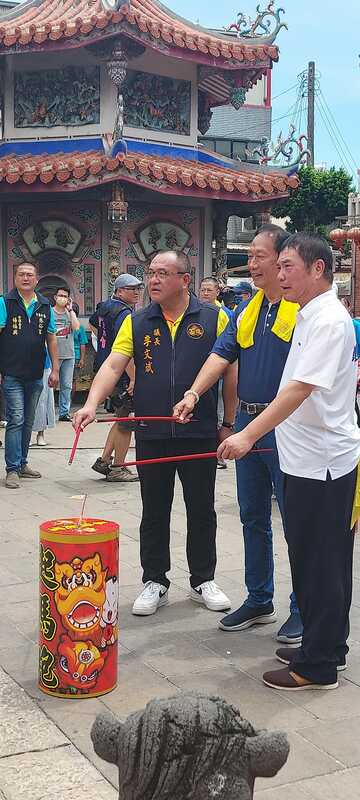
point(106, 323)
point(27, 326)
point(169, 341)
point(259, 338)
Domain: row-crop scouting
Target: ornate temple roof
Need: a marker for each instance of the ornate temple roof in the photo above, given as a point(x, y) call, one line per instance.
point(57, 24)
point(76, 170)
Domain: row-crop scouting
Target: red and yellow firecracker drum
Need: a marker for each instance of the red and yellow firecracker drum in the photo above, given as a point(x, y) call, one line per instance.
point(79, 591)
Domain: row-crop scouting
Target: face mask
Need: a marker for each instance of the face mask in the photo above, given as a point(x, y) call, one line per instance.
point(62, 301)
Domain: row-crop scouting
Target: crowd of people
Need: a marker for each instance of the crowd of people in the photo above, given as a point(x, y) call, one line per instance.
point(264, 376)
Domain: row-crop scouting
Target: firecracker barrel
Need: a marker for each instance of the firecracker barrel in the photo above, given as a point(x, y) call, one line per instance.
point(79, 591)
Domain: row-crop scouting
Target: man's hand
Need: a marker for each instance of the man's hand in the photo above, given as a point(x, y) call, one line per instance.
point(81, 363)
point(53, 379)
point(224, 433)
point(183, 410)
point(130, 388)
point(83, 417)
point(236, 446)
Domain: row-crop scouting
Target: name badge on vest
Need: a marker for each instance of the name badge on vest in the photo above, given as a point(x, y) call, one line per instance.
point(16, 325)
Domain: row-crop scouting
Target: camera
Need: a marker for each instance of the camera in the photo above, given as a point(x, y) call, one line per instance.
point(119, 400)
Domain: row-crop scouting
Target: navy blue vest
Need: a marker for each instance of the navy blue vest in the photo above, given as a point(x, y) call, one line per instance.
point(22, 341)
point(166, 368)
point(108, 318)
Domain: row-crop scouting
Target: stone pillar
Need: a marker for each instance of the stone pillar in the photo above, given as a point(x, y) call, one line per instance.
point(220, 236)
point(116, 68)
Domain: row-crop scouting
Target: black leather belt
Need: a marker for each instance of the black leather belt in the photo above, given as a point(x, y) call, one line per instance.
point(252, 408)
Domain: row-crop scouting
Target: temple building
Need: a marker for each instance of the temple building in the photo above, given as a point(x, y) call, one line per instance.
point(104, 108)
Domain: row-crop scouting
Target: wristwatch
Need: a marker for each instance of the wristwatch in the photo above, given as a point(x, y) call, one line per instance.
point(229, 425)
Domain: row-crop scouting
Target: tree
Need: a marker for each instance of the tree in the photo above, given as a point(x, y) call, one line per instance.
point(321, 196)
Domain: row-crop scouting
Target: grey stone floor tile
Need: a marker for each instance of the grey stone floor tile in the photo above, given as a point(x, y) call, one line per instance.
point(137, 684)
point(340, 703)
point(51, 774)
point(293, 791)
point(305, 761)
point(339, 738)
point(251, 697)
point(342, 785)
point(22, 725)
point(177, 655)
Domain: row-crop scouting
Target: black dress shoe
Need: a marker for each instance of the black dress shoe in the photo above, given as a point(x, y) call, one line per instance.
point(65, 418)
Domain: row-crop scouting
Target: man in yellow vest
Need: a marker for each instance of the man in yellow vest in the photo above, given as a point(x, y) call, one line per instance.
point(259, 337)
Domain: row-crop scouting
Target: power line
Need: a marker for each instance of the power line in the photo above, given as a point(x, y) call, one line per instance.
point(337, 128)
point(291, 89)
point(333, 139)
point(334, 134)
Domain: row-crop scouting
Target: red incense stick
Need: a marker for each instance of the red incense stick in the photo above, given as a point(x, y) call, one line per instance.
point(74, 447)
point(119, 419)
point(191, 457)
point(140, 419)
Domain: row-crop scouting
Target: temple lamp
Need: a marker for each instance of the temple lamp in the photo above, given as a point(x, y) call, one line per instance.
point(117, 207)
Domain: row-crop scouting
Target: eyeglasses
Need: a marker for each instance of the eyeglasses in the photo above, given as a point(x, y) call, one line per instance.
point(162, 274)
point(132, 288)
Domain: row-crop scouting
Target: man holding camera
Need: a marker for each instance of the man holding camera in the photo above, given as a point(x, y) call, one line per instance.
point(105, 323)
point(66, 323)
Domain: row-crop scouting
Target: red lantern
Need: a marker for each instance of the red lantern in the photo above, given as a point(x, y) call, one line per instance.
point(338, 236)
point(354, 234)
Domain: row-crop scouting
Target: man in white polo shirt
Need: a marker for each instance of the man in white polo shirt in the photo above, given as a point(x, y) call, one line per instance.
point(319, 449)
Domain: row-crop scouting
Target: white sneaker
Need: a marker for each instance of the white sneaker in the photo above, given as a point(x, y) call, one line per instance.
point(211, 596)
point(152, 596)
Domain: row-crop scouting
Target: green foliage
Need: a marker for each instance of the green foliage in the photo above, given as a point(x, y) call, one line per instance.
point(321, 196)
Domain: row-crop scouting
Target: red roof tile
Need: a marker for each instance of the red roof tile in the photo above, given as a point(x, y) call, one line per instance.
point(53, 20)
point(170, 176)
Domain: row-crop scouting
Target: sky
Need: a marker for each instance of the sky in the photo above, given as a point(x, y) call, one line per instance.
point(324, 31)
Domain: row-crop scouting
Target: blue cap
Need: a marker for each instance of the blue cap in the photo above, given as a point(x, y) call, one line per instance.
point(244, 286)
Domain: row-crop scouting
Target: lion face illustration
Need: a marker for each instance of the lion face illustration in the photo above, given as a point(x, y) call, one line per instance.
point(80, 663)
point(81, 594)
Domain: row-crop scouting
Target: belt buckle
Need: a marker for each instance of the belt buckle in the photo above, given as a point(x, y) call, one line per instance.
point(252, 408)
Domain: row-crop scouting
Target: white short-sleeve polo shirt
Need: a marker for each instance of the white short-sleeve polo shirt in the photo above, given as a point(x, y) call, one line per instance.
point(322, 434)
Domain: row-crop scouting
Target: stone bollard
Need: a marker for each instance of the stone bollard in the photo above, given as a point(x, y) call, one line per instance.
point(189, 746)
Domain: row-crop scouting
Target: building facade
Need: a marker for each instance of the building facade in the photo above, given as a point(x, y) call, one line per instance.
point(103, 103)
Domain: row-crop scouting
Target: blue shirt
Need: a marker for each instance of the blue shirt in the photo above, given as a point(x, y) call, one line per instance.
point(29, 310)
point(260, 366)
point(356, 323)
point(80, 338)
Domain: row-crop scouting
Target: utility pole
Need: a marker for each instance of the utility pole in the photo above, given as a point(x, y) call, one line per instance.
point(311, 112)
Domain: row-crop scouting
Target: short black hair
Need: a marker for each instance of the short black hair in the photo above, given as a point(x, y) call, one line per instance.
point(62, 289)
point(310, 248)
point(28, 263)
point(212, 279)
point(278, 234)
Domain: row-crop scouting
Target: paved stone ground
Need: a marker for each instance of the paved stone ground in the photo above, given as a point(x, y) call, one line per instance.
point(45, 748)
